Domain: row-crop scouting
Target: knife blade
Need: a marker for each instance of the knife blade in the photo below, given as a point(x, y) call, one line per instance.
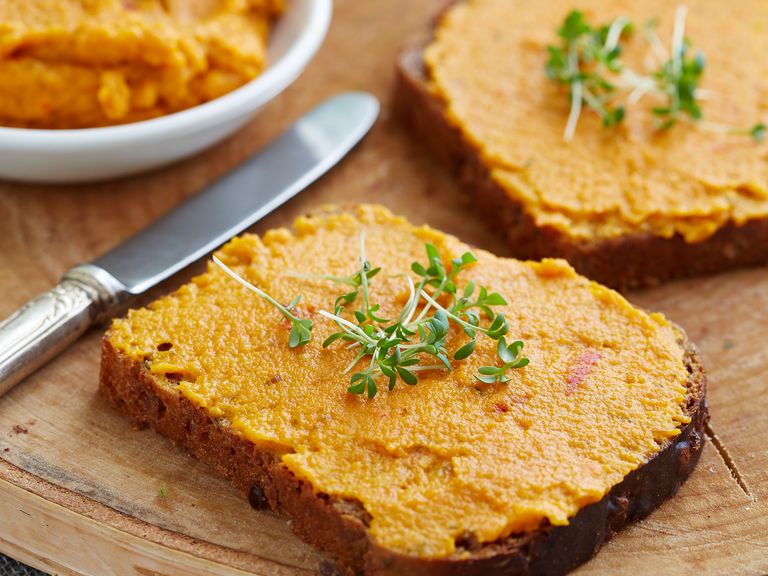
point(95, 292)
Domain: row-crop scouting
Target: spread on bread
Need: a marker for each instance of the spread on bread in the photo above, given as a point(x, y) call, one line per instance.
point(605, 390)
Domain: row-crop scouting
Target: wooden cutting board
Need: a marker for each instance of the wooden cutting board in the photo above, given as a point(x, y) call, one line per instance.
point(80, 492)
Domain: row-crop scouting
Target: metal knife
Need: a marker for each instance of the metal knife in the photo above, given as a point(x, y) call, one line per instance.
point(95, 292)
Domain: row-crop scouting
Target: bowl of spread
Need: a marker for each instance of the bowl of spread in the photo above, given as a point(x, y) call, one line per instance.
point(90, 91)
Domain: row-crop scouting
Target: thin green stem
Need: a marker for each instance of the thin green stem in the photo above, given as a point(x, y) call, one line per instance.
point(452, 315)
point(354, 362)
point(363, 275)
point(678, 38)
point(614, 33)
point(347, 326)
point(410, 305)
point(335, 279)
point(576, 97)
point(235, 276)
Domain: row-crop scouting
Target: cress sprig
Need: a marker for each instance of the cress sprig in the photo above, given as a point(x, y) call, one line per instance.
point(588, 62)
point(583, 61)
point(398, 351)
point(301, 328)
point(417, 340)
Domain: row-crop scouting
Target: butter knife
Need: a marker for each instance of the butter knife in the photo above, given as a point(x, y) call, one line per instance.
point(95, 292)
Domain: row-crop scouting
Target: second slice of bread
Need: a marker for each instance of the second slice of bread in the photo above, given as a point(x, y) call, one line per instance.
point(625, 262)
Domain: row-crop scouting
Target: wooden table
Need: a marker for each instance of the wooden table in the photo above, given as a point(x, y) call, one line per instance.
point(80, 491)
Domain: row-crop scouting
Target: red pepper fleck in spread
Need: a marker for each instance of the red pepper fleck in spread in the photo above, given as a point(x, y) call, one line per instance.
point(580, 371)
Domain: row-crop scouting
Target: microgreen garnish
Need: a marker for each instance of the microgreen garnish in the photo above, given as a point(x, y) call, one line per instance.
point(398, 350)
point(301, 328)
point(757, 132)
point(678, 77)
point(587, 54)
point(588, 62)
point(417, 340)
point(511, 356)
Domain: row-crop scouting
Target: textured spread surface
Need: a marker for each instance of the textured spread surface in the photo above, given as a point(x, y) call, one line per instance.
point(605, 387)
point(80, 63)
point(711, 527)
point(608, 183)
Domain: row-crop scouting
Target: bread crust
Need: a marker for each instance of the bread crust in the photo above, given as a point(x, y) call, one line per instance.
point(340, 527)
point(638, 260)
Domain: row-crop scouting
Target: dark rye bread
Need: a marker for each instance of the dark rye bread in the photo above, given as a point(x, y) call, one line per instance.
point(340, 527)
point(634, 261)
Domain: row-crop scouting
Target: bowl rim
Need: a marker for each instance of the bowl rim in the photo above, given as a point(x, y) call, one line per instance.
point(251, 95)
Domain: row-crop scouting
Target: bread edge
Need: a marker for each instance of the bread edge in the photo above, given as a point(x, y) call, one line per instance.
point(634, 261)
point(340, 527)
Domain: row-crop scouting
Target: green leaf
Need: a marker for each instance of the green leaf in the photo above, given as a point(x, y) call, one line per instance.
point(468, 258)
point(486, 379)
point(345, 299)
point(372, 389)
point(488, 370)
point(372, 315)
point(300, 333)
point(506, 355)
point(758, 132)
point(293, 303)
point(613, 117)
point(472, 319)
point(494, 299)
point(358, 388)
point(498, 327)
point(574, 26)
point(699, 62)
point(444, 359)
point(432, 254)
point(465, 351)
point(332, 338)
point(522, 363)
point(516, 347)
point(407, 376)
point(386, 370)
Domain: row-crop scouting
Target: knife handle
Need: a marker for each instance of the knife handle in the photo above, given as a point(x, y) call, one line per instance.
point(49, 323)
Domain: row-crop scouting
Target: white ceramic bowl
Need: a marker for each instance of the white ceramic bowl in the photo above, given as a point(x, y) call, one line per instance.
point(66, 156)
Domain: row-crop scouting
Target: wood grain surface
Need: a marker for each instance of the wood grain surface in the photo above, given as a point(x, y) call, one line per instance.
point(80, 492)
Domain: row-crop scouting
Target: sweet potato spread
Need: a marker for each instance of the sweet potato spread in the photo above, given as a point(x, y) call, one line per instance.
point(86, 63)
point(487, 64)
point(602, 394)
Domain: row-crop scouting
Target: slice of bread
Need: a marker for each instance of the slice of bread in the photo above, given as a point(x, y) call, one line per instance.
point(606, 440)
point(630, 260)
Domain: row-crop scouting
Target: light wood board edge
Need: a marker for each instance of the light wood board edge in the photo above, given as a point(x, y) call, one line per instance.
point(41, 521)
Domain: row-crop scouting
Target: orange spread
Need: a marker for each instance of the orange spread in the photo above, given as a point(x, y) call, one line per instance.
point(430, 461)
point(487, 64)
point(84, 63)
